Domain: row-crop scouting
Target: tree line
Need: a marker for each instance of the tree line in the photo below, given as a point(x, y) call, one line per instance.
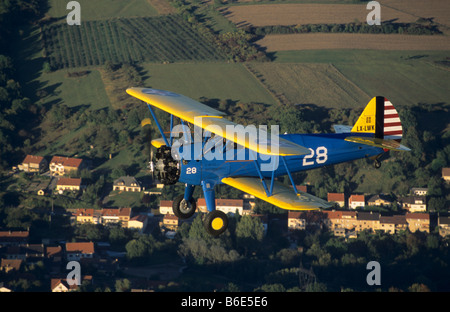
point(417, 28)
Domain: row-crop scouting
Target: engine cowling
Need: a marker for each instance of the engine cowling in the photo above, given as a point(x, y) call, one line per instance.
point(167, 168)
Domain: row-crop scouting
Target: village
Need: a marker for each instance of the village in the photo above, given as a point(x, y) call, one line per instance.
point(351, 215)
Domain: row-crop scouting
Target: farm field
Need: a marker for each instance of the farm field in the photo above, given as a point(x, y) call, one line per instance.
point(295, 14)
point(104, 9)
point(405, 77)
point(318, 84)
point(317, 41)
point(212, 80)
point(439, 10)
point(154, 39)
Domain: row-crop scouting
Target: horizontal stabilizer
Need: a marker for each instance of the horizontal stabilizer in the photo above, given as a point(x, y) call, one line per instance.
point(342, 129)
point(282, 196)
point(382, 143)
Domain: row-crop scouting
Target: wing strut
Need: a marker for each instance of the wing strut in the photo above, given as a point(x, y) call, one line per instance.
point(274, 160)
point(290, 176)
point(159, 126)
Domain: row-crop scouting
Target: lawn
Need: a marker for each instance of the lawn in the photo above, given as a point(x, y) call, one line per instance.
point(211, 80)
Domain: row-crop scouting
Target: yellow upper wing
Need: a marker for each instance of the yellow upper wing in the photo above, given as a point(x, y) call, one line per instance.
point(212, 120)
point(282, 196)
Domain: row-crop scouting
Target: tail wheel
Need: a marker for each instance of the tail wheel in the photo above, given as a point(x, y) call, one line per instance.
point(377, 164)
point(216, 222)
point(182, 208)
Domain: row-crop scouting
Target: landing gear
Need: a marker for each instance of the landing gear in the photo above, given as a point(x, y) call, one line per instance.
point(377, 164)
point(216, 222)
point(183, 208)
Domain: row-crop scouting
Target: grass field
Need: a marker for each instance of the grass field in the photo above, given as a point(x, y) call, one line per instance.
point(317, 41)
point(85, 90)
point(405, 77)
point(319, 84)
point(295, 14)
point(210, 80)
point(104, 9)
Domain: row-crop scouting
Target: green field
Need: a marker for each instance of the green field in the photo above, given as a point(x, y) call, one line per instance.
point(101, 9)
point(151, 39)
point(87, 90)
point(310, 83)
point(211, 80)
point(405, 77)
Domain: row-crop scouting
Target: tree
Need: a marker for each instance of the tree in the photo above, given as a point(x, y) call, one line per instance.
point(140, 248)
point(249, 233)
point(123, 285)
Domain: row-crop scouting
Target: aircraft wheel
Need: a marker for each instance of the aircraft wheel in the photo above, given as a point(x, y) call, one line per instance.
point(377, 164)
point(216, 222)
point(182, 208)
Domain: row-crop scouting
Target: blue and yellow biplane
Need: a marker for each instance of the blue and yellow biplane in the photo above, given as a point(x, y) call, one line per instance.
point(252, 163)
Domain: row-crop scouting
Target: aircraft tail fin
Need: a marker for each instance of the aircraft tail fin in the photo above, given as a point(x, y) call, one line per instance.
point(380, 118)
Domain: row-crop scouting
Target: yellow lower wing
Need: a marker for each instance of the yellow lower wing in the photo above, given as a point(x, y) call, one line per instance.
point(282, 196)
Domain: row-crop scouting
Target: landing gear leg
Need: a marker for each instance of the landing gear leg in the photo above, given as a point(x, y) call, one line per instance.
point(215, 222)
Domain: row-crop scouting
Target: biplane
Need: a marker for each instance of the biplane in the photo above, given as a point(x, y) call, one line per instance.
point(252, 163)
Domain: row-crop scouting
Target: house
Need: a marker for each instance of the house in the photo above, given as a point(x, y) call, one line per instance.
point(295, 222)
point(414, 203)
point(60, 166)
point(138, 222)
point(127, 184)
point(392, 224)
point(333, 219)
point(33, 163)
point(13, 238)
point(224, 205)
point(104, 216)
point(446, 174)
point(116, 215)
point(170, 222)
point(419, 191)
point(79, 251)
point(230, 205)
point(444, 226)
point(338, 198)
point(340, 220)
point(165, 207)
point(418, 222)
point(88, 215)
point(8, 265)
point(31, 253)
point(356, 201)
point(367, 221)
point(54, 256)
point(61, 285)
point(380, 200)
point(68, 184)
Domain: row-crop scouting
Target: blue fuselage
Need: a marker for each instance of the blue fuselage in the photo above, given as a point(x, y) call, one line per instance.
point(326, 149)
